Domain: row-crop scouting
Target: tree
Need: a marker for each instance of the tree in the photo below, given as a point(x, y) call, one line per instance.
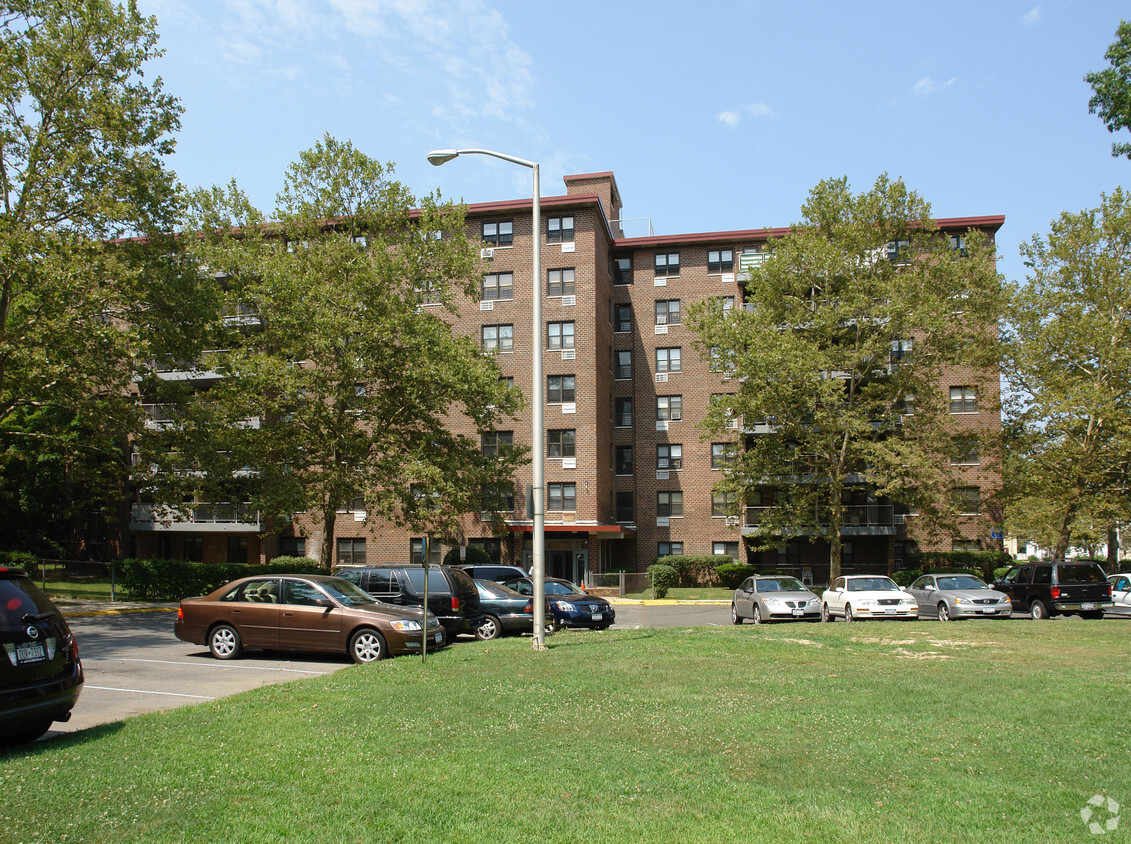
point(82, 141)
point(1068, 366)
point(341, 379)
point(837, 357)
point(1112, 87)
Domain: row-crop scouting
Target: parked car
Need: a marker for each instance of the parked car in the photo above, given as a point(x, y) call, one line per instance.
point(492, 571)
point(1120, 594)
point(774, 598)
point(41, 676)
point(567, 605)
point(857, 597)
point(1057, 587)
point(949, 596)
point(303, 613)
point(452, 596)
point(504, 611)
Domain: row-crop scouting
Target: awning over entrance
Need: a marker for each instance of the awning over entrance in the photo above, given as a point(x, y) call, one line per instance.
point(597, 531)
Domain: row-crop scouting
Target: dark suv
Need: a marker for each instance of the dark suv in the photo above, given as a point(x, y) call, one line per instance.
point(1044, 589)
point(40, 672)
point(452, 596)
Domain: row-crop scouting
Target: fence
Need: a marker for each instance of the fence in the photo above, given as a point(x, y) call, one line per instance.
point(624, 582)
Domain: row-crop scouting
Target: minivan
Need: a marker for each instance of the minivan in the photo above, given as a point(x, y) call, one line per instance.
point(452, 596)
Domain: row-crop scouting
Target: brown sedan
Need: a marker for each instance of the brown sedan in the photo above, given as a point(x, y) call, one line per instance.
point(302, 613)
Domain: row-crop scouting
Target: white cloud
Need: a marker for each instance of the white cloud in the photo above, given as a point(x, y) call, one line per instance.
point(1031, 17)
point(927, 86)
point(755, 110)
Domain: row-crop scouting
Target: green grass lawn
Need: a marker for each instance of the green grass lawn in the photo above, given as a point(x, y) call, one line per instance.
point(689, 593)
point(877, 731)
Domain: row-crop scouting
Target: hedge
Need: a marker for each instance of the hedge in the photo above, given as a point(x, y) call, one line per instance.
point(695, 569)
point(171, 580)
point(476, 556)
point(981, 563)
point(662, 577)
point(732, 574)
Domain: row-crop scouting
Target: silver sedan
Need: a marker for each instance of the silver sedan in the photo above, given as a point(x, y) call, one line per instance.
point(774, 598)
point(952, 596)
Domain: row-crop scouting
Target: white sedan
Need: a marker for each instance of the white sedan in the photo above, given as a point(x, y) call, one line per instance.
point(857, 597)
point(1120, 594)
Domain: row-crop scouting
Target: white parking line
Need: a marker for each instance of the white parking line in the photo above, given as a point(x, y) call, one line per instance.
point(205, 665)
point(145, 692)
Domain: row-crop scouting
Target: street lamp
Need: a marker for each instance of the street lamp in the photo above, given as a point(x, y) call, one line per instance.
point(443, 156)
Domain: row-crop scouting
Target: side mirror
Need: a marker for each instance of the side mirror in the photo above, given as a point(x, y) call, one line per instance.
point(325, 603)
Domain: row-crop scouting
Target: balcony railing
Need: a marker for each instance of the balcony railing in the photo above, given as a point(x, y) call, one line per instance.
point(220, 517)
point(858, 519)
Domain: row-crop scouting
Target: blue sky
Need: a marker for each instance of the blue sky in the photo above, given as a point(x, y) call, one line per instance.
point(713, 115)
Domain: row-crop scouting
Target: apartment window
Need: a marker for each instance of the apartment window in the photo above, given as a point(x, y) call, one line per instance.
point(667, 263)
point(622, 270)
point(727, 303)
point(559, 335)
point(497, 338)
point(669, 408)
point(625, 505)
point(496, 498)
point(724, 400)
point(622, 459)
point(561, 442)
point(901, 351)
point(965, 545)
point(493, 547)
point(498, 286)
point(622, 317)
point(667, 312)
point(722, 455)
point(669, 457)
point(507, 380)
point(499, 233)
point(622, 364)
point(669, 549)
point(430, 292)
point(559, 230)
point(968, 500)
point(722, 504)
point(561, 389)
point(237, 550)
point(725, 549)
point(560, 282)
point(416, 551)
point(494, 443)
point(668, 359)
point(561, 497)
point(966, 453)
point(622, 413)
point(963, 400)
point(669, 503)
point(720, 261)
point(958, 244)
point(351, 552)
point(789, 555)
point(292, 546)
point(899, 251)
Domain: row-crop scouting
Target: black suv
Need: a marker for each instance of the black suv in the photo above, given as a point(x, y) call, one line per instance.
point(491, 571)
point(452, 596)
point(40, 672)
point(1044, 589)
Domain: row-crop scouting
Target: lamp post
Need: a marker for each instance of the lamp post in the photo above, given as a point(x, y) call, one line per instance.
point(538, 435)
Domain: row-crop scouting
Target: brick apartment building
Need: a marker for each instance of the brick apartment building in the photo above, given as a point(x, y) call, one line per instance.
point(628, 477)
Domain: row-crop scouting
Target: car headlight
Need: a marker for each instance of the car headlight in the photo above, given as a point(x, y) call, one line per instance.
point(958, 600)
point(405, 625)
point(564, 606)
point(1004, 599)
point(814, 601)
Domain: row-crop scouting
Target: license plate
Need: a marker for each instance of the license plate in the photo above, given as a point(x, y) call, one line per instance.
point(439, 637)
point(31, 652)
point(891, 611)
point(799, 612)
point(1088, 606)
point(990, 611)
point(598, 616)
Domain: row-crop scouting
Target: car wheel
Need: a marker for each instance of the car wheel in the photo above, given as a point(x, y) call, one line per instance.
point(848, 612)
point(1038, 611)
point(826, 616)
point(735, 618)
point(25, 735)
point(552, 625)
point(489, 628)
point(757, 615)
point(224, 642)
point(367, 645)
point(944, 611)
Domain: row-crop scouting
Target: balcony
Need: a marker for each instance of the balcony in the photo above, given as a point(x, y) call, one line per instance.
point(220, 517)
point(859, 520)
point(201, 370)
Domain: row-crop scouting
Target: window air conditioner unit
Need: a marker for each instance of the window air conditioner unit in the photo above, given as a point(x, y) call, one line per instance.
point(489, 305)
point(732, 521)
point(567, 301)
point(661, 329)
point(487, 252)
point(661, 377)
point(569, 354)
point(661, 475)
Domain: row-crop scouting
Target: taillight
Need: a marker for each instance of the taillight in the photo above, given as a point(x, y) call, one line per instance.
point(180, 613)
point(529, 608)
point(455, 603)
point(1056, 593)
point(1108, 593)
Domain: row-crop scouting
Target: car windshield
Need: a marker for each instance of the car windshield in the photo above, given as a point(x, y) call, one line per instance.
point(781, 584)
point(558, 587)
point(1080, 574)
point(961, 582)
point(345, 593)
point(872, 584)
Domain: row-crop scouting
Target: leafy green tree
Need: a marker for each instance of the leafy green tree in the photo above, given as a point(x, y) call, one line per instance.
point(838, 354)
point(1112, 87)
point(341, 377)
point(1068, 365)
point(82, 304)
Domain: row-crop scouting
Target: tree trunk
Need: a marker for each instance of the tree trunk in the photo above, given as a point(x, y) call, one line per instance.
point(1112, 548)
point(329, 516)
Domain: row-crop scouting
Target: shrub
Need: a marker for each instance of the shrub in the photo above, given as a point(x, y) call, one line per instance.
point(999, 573)
point(732, 574)
point(171, 580)
point(696, 569)
point(292, 565)
point(981, 563)
point(476, 556)
point(662, 577)
point(20, 560)
point(905, 577)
